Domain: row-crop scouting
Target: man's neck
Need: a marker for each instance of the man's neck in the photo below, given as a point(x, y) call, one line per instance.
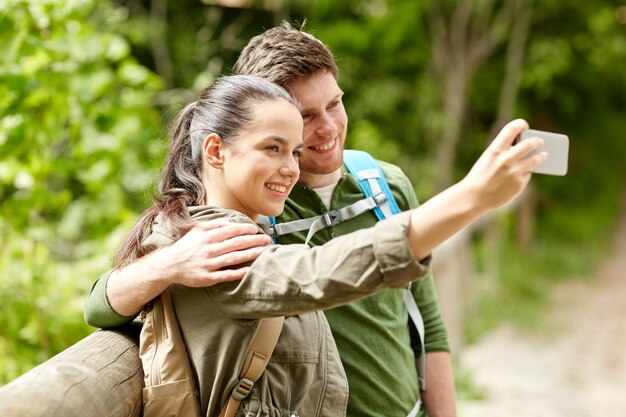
point(320, 180)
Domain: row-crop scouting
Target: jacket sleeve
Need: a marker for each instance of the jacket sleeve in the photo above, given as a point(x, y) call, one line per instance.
point(98, 311)
point(294, 279)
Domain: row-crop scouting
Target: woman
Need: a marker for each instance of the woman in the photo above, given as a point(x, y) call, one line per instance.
point(234, 155)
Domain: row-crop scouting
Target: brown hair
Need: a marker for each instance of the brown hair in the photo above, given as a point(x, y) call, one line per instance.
point(224, 108)
point(283, 54)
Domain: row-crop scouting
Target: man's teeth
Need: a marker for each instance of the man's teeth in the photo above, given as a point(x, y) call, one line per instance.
point(276, 187)
point(324, 147)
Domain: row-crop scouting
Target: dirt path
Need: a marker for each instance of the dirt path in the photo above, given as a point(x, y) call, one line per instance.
point(574, 367)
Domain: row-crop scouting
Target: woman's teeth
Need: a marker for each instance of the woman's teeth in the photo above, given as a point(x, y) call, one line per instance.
point(276, 187)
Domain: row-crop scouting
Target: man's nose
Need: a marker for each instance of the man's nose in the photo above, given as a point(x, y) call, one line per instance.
point(326, 126)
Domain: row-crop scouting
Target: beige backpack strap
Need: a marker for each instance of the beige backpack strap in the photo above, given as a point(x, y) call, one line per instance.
point(257, 358)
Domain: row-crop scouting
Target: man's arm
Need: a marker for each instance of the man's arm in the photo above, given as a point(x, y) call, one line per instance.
point(440, 395)
point(199, 259)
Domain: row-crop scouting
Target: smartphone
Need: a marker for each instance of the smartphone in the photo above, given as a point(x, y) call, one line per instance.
point(557, 147)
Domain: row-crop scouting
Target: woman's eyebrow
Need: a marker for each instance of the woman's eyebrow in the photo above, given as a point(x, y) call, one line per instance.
point(283, 141)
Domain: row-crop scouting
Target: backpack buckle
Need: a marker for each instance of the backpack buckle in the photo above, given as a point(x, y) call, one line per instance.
point(272, 230)
point(242, 389)
point(332, 218)
point(380, 199)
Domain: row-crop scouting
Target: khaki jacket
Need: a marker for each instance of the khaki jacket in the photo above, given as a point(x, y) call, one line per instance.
point(304, 377)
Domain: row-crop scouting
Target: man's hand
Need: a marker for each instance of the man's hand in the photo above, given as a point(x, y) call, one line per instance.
point(199, 259)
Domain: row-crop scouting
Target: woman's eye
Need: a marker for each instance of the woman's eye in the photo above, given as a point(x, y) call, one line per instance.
point(273, 148)
point(297, 153)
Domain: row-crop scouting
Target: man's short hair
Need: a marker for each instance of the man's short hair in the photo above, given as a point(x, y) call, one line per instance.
point(283, 54)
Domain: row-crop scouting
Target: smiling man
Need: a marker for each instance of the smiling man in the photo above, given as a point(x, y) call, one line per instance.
point(372, 335)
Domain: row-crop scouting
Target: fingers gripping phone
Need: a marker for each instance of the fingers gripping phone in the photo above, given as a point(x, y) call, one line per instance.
point(556, 145)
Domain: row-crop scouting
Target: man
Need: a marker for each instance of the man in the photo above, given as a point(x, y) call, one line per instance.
point(372, 335)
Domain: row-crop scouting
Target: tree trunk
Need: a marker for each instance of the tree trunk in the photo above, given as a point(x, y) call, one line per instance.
point(462, 40)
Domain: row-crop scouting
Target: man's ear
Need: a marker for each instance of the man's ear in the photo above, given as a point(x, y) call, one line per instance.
point(213, 150)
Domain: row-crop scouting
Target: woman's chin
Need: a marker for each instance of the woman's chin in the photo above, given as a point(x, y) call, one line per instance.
point(273, 211)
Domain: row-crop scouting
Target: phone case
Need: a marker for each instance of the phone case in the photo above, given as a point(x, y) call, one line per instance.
point(557, 147)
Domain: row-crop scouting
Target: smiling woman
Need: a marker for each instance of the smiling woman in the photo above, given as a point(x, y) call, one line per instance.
point(228, 149)
point(269, 149)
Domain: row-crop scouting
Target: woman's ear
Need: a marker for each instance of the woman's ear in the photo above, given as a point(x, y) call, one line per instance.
point(213, 150)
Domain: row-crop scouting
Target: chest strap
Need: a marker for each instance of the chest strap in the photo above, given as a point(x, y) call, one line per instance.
point(372, 183)
point(330, 218)
point(257, 358)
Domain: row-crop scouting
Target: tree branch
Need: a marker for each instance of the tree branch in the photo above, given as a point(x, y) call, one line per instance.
point(160, 48)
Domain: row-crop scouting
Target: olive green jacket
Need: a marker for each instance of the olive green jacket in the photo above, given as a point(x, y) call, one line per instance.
point(305, 376)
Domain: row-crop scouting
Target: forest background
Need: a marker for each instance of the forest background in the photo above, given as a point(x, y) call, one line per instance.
point(87, 88)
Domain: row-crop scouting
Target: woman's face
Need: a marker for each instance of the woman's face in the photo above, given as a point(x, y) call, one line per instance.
point(261, 166)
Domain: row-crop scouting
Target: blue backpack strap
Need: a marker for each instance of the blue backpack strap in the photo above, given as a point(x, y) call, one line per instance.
point(371, 180)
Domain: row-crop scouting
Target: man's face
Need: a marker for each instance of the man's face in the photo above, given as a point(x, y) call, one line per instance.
point(325, 124)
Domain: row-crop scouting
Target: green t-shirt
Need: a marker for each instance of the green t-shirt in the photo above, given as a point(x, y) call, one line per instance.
point(372, 334)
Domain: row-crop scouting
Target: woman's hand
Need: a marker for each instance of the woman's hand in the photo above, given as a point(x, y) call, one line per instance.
point(503, 170)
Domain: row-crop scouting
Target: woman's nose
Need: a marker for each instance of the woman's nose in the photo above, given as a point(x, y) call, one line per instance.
point(291, 168)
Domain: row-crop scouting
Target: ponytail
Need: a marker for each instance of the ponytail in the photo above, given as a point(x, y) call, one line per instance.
point(180, 186)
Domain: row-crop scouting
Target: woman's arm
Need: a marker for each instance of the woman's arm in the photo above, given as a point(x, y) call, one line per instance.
point(500, 174)
point(293, 279)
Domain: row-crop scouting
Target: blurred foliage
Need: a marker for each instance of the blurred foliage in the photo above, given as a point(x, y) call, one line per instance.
point(86, 87)
point(77, 153)
point(573, 82)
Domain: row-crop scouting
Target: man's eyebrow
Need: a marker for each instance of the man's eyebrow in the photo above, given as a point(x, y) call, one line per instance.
point(335, 97)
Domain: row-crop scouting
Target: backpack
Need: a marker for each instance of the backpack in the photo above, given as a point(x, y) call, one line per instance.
point(170, 388)
point(378, 198)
